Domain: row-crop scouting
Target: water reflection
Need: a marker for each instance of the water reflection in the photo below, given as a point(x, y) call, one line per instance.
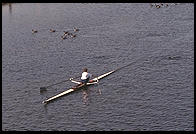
point(10, 8)
point(85, 92)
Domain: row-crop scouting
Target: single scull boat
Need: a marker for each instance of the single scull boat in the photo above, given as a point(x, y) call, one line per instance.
point(78, 87)
point(74, 89)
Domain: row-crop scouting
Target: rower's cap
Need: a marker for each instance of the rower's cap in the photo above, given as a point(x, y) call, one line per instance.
point(85, 70)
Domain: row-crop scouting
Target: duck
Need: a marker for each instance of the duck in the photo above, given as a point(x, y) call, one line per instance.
point(66, 33)
point(75, 29)
point(52, 30)
point(34, 31)
point(73, 35)
point(158, 6)
point(63, 37)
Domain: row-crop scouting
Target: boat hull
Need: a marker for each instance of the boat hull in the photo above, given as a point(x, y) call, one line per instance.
point(77, 87)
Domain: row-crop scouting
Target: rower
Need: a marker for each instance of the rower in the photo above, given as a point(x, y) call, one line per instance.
point(85, 78)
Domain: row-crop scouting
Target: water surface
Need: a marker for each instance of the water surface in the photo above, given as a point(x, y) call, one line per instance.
point(154, 93)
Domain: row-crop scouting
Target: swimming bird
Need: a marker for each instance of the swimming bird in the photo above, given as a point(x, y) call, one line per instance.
point(76, 29)
point(52, 30)
point(158, 6)
point(63, 37)
point(65, 32)
point(34, 31)
point(73, 35)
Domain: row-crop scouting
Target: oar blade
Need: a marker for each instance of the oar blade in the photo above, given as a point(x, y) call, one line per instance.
point(42, 88)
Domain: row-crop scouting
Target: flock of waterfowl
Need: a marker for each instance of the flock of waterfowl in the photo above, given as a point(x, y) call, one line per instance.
point(159, 5)
point(68, 34)
point(65, 35)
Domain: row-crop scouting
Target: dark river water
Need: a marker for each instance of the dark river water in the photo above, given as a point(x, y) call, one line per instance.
point(156, 92)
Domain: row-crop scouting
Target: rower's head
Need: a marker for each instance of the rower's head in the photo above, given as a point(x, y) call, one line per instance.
point(85, 70)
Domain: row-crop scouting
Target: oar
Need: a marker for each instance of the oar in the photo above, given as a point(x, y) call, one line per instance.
point(44, 88)
point(124, 66)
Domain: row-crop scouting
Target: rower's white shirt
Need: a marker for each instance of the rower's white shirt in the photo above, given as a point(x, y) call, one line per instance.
point(85, 75)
